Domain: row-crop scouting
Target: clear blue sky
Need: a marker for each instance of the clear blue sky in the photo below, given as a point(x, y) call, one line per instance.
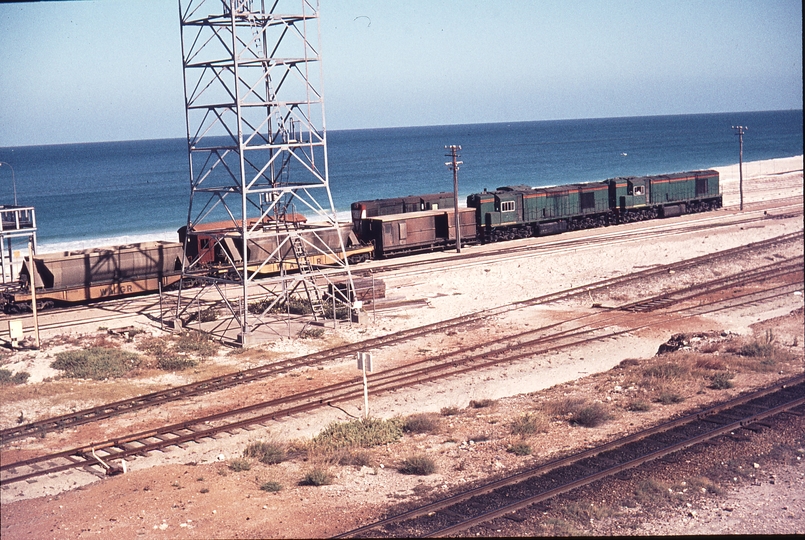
point(111, 69)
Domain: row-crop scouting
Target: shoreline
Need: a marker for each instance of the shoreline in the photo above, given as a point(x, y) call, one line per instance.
point(729, 175)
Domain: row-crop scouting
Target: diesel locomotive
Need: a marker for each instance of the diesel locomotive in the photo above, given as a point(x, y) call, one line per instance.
point(513, 212)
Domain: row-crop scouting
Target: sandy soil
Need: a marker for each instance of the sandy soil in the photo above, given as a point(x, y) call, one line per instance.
point(192, 492)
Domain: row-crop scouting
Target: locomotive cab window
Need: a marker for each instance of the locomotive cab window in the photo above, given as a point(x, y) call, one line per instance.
point(639, 190)
point(507, 206)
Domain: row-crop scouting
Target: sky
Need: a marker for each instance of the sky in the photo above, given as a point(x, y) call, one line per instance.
point(102, 70)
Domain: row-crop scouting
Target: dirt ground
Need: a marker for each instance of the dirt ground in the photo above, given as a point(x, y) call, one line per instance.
point(193, 492)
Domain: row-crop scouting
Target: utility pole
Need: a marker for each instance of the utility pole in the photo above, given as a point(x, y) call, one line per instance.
point(453, 166)
point(739, 131)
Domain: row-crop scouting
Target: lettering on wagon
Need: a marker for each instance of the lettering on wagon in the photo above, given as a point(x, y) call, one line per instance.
point(116, 289)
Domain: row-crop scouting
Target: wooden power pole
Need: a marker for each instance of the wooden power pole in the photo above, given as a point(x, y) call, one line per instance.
point(453, 165)
point(739, 131)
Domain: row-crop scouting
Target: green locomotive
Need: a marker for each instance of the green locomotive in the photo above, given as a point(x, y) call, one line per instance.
point(520, 211)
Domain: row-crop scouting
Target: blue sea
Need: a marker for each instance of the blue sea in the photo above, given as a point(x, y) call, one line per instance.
point(118, 192)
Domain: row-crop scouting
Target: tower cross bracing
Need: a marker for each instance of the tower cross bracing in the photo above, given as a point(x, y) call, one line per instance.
point(260, 198)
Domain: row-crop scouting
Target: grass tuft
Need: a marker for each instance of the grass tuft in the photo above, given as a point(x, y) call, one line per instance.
point(240, 464)
point(481, 403)
point(722, 380)
point(421, 423)
point(639, 405)
point(529, 424)
point(418, 464)
point(451, 410)
point(591, 415)
point(6, 378)
point(354, 456)
point(666, 371)
point(271, 486)
point(669, 397)
point(520, 448)
point(268, 452)
point(363, 433)
point(317, 476)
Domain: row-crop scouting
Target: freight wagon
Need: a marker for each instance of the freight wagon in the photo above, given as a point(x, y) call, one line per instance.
point(109, 272)
point(361, 210)
point(99, 273)
point(417, 232)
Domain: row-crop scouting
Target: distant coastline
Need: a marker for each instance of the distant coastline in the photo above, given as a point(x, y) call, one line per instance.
point(729, 173)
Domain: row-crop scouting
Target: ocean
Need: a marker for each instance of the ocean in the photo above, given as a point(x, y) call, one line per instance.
point(108, 193)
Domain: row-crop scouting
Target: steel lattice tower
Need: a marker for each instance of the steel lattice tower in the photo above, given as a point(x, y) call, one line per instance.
point(260, 194)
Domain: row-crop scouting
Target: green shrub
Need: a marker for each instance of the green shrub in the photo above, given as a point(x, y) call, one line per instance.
point(6, 378)
point(313, 332)
point(155, 346)
point(450, 411)
point(529, 424)
point(651, 491)
point(639, 405)
point(722, 380)
point(317, 476)
point(591, 415)
point(421, 423)
point(96, 363)
point(365, 433)
point(240, 464)
point(519, 449)
point(757, 350)
point(176, 363)
point(271, 486)
point(419, 464)
point(269, 453)
point(666, 371)
point(205, 315)
point(355, 457)
point(669, 397)
point(295, 305)
point(196, 343)
point(481, 403)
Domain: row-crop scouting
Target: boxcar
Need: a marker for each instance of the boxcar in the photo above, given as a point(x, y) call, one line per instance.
point(427, 230)
point(362, 210)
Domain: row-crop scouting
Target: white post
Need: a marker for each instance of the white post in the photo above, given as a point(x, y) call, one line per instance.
point(365, 364)
point(33, 273)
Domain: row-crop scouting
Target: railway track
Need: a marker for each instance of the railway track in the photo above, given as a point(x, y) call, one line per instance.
point(512, 494)
point(557, 336)
point(42, 427)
